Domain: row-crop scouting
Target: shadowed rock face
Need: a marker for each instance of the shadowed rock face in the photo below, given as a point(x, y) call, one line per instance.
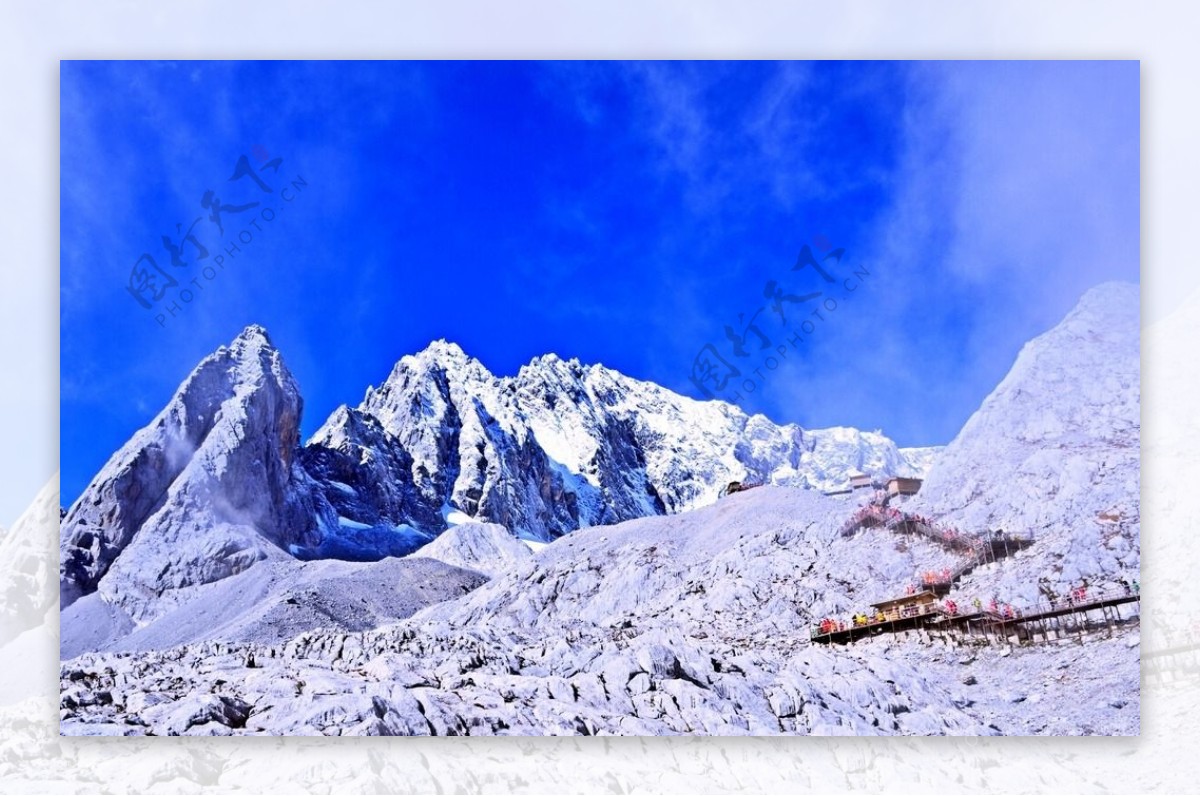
point(364, 474)
point(209, 487)
point(562, 446)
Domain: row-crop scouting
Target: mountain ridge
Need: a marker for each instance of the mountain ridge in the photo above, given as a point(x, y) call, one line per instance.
point(219, 482)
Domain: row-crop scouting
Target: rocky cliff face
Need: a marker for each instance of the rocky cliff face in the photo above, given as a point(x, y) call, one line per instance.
point(211, 486)
point(562, 446)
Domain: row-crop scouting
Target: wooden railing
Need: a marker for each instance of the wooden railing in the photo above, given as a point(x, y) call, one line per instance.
point(993, 612)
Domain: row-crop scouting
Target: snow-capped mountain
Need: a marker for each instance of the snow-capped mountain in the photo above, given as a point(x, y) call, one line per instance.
point(562, 446)
point(219, 481)
point(210, 487)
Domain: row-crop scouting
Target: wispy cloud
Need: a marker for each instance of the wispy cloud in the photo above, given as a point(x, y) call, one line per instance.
point(621, 212)
point(1016, 191)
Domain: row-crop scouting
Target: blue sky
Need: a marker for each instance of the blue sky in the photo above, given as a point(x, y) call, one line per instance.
point(621, 213)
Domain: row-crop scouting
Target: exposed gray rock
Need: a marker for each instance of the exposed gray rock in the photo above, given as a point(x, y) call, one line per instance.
point(210, 487)
point(562, 445)
point(218, 484)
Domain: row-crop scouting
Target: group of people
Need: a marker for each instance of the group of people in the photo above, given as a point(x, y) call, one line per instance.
point(936, 577)
point(1002, 609)
point(830, 626)
point(994, 606)
point(862, 620)
point(977, 547)
point(1078, 595)
point(948, 607)
point(858, 620)
point(884, 515)
point(950, 536)
point(871, 511)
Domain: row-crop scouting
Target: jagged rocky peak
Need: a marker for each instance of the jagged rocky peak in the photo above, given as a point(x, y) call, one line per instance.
point(215, 464)
point(425, 384)
point(253, 336)
point(562, 445)
point(439, 357)
point(553, 368)
point(218, 481)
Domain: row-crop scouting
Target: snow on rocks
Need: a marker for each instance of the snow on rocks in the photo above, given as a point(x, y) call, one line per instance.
point(218, 484)
point(209, 488)
point(691, 623)
point(274, 602)
point(1055, 451)
point(483, 547)
point(563, 445)
point(673, 616)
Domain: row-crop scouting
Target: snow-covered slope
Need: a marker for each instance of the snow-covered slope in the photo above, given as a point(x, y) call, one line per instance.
point(273, 601)
point(27, 590)
point(919, 461)
point(1055, 451)
point(481, 546)
point(691, 623)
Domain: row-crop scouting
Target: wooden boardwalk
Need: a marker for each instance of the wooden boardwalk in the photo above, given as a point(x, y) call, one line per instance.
point(1050, 620)
point(977, 549)
point(1020, 625)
